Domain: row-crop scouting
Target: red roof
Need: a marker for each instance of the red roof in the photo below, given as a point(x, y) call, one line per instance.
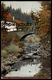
point(8, 16)
point(19, 22)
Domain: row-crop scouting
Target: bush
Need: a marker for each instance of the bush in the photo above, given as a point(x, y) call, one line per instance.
point(12, 48)
point(4, 53)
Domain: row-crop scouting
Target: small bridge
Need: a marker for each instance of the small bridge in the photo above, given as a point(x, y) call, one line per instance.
point(28, 33)
point(23, 37)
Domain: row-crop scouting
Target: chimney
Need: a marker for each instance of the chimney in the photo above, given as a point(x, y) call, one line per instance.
point(13, 18)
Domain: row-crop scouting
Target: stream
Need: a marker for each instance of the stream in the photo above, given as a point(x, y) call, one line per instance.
point(29, 64)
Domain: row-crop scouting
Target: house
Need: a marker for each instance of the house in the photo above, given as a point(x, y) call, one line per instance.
point(11, 26)
point(11, 23)
point(20, 24)
point(8, 22)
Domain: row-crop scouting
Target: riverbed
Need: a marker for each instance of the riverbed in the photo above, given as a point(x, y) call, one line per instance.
point(30, 63)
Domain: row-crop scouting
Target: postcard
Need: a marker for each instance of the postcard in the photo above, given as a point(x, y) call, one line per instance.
point(26, 39)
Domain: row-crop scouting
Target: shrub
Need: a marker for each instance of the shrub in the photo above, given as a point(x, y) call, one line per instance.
point(4, 53)
point(12, 48)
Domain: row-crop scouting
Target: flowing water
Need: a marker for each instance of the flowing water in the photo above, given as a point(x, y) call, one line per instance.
point(30, 63)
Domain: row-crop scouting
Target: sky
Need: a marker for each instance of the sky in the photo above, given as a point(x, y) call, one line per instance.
point(26, 6)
